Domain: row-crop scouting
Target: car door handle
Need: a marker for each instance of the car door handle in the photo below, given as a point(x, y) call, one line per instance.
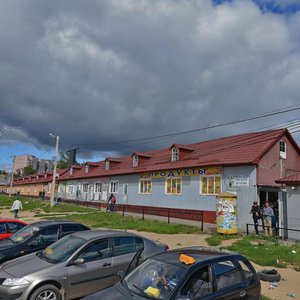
point(243, 293)
point(106, 265)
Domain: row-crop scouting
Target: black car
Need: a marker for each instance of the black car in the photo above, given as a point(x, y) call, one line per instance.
point(36, 236)
point(188, 274)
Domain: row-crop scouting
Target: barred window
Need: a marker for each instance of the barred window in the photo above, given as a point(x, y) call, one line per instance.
point(145, 186)
point(173, 185)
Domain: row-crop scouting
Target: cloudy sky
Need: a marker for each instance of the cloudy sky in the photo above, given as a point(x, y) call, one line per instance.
point(97, 73)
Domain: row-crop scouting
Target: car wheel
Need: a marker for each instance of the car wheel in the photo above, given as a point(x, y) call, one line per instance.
point(270, 275)
point(46, 292)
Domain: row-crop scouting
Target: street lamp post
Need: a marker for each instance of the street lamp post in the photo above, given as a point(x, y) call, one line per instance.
point(54, 169)
point(12, 177)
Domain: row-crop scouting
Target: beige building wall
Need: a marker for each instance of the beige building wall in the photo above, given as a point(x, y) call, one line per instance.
point(23, 161)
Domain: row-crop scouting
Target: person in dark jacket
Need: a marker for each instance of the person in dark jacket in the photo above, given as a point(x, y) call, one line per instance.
point(255, 215)
point(112, 202)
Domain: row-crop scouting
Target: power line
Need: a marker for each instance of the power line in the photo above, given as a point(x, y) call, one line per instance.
point(268, 114)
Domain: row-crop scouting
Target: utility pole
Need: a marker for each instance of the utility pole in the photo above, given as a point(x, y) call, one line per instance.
point(54, 169)
point(12, 177)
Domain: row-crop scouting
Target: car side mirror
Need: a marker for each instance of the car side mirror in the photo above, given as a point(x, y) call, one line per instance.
point(78, 261)
point(120, 274)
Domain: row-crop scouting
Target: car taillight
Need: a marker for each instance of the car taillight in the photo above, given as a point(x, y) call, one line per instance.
point(167, 248)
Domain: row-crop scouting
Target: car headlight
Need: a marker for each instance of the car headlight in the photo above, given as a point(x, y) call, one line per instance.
point(14, 281)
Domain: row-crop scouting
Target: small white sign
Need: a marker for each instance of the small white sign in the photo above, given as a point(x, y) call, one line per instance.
point(241, 181)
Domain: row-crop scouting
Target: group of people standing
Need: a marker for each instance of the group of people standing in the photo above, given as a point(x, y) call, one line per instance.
point(268, 214)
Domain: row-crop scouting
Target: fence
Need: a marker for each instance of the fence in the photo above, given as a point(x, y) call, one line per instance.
point(164, 212)
point(276, 230)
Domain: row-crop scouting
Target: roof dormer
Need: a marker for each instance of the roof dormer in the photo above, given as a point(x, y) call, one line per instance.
point(45, 176)
point(107, 165)
point(109, 161)
point(86, 168)
point(135, 160)
point(137, 156)
point(176, 149)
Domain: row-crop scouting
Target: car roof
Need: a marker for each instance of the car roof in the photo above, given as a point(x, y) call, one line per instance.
point(3, 220)
point(200, 254)
point(53, 222)
point(95, 233)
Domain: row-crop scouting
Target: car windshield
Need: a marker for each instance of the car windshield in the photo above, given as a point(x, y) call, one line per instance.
point(154, 279)
point(62, 249)
point(24, 234)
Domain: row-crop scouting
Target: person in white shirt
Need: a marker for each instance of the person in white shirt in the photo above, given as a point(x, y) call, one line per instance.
point(17, 205)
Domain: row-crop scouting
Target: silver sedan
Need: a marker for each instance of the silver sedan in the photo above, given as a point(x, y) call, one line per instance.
point(74, 266)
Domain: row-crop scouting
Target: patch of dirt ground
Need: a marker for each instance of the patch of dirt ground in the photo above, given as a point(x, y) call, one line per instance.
point(290, 282)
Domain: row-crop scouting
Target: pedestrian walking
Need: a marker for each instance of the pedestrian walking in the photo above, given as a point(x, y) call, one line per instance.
point(112, 202)
point(255, 215)
point(268, 213)
point(17, 205)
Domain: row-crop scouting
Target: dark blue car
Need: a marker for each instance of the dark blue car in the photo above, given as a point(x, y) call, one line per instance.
point(36, 236)
point(186, 274)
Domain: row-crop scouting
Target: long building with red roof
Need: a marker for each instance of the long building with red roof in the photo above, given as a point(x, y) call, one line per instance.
point(192, 176)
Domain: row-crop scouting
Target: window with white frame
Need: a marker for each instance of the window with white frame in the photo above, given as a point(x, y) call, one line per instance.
point(125, 189)
point(145, 186)
point(175, 154)
point(70, 189)
point(114, 186)
point(107, 165)
point(98, 187)
point(210, 185)
point(85, 187)
point(173, 186)
point(135, 160)
point(282, 146)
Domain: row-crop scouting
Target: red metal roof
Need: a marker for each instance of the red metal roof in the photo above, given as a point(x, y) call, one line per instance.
point(38, 178)
point(293, 179)
point(242, 149)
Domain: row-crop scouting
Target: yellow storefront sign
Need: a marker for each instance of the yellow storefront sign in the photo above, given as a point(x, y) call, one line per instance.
point(182, 172)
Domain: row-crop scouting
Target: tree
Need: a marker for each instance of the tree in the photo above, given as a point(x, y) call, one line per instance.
point(28, 170)
point(63, 161)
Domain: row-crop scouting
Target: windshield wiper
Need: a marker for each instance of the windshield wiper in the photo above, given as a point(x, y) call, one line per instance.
point(42, 256)
point(143, 293)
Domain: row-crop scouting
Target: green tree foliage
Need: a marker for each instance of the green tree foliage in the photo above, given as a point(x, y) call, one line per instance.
point(28, 170)
point(63, 161)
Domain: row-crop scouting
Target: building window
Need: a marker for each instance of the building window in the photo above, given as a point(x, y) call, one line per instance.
point(107, 165)
point(135, 160)
point(70, 189)
point(175, 154)
point(86, 168)
point(125, 189)
point(282, 146)
point(98, 187)
point(210, 185)
point(35, 189)
point(85, 187)
point(173, 186)
point(145, 186)
point(114, 187)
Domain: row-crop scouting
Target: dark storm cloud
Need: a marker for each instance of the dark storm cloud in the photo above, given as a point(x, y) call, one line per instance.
point(100, 71)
